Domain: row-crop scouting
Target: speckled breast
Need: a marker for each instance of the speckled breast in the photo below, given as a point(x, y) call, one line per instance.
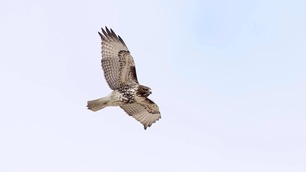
point(128, 93)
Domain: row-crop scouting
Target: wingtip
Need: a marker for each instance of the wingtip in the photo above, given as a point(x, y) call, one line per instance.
point(102, 29)
point(107, 30)
point(100, 34)
point(121, 40)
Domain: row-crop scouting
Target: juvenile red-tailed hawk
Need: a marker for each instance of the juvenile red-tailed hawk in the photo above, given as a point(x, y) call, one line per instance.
point(120, 74)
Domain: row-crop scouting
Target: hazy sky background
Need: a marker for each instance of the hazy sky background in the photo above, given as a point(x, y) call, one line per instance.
point(229, 77)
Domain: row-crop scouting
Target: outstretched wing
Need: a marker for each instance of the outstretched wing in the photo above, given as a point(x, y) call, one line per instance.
point(146, 112)
point(117, 62)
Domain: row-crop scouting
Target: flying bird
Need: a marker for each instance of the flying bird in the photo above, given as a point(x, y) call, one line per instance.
point(120, 74)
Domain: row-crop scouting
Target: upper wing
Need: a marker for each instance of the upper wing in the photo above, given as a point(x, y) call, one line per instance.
point(117, 63)
point(146, 112)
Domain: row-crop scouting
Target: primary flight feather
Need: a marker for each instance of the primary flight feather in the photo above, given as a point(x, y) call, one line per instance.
point(120, 74)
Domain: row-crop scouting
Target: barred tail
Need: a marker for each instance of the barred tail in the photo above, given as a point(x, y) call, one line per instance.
point(97, 104)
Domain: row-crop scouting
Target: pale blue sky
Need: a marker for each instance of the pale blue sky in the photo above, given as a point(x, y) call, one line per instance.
point(229, 77)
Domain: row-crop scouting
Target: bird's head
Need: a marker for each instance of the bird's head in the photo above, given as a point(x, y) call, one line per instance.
point(143, 91)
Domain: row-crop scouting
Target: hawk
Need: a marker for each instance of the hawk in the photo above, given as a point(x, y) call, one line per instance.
point(120, 74)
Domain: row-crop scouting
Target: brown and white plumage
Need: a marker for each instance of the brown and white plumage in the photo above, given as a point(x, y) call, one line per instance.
point(120, 74)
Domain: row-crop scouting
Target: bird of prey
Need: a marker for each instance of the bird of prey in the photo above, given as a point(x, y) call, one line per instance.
point(120, 74)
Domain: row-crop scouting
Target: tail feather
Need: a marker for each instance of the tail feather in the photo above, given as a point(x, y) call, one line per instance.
point(97, 104)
